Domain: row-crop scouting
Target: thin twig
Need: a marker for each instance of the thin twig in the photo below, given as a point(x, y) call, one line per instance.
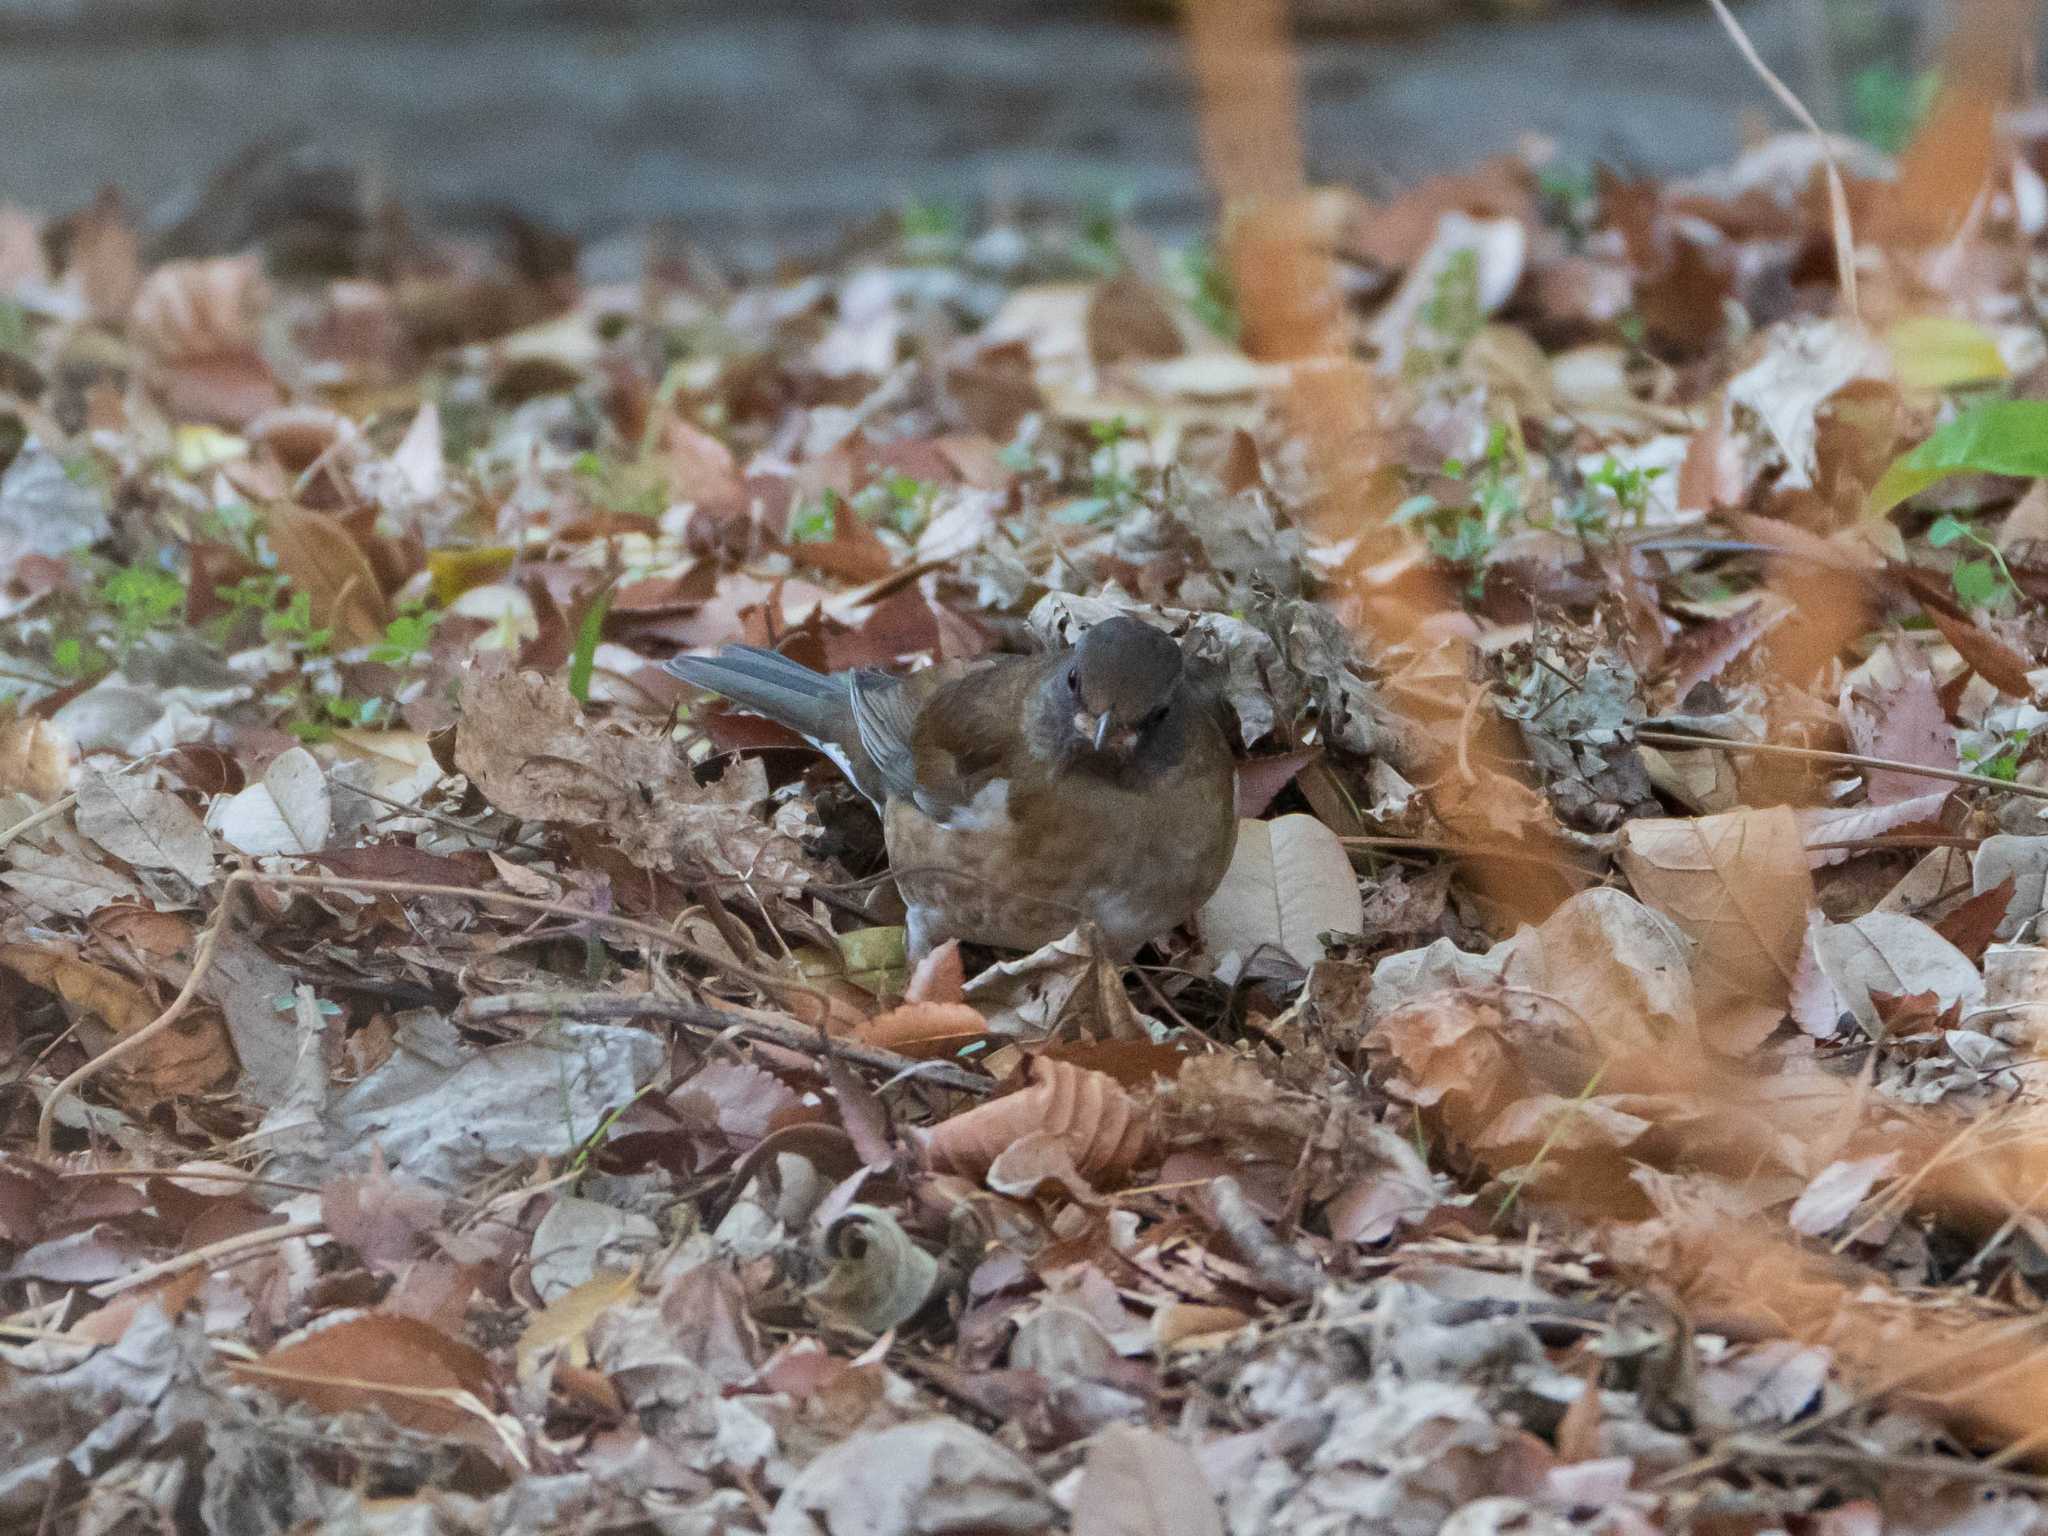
point(716, 1021)
point(237, 1247)
point(202, 961)
point(1841, 759)
point(30, 822)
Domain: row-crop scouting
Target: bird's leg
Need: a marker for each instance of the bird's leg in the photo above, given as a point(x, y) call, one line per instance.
point(921, 935)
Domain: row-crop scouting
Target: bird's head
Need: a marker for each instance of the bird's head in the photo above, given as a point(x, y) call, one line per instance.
point(1118, 686)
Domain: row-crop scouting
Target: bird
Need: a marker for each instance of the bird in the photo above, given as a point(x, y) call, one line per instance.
point(1023, 796)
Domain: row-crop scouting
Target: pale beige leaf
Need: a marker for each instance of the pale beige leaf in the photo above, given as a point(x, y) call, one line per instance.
point(1894, 955)
point(1738, 885)
point(1289, 882)
point(288, 812)
point(1139, 1482)
point(64, 883)
point(148, 827)
point(565, 1322)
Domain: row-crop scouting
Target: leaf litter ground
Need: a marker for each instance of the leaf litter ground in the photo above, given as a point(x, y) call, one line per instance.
point(457, 1080)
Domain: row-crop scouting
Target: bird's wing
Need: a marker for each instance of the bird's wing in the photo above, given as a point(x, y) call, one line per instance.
point(885, 722)
point(971, 746)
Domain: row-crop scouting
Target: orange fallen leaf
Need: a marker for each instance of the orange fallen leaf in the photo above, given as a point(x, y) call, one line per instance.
point(925, 1029)
point(1102, 1127)
point(415, 1374)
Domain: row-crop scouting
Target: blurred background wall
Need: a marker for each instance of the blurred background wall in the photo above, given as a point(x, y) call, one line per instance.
point(758, 124)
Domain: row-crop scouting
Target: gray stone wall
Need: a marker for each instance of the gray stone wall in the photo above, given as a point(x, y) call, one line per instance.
point(768, 123)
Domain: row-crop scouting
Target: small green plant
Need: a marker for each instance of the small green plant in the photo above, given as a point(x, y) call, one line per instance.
point(72, 657)
point(250, 601)
point(143, 598)
point(901, 502)
point(932, 231)
point(1630, 487)
point(583, 655)
point(1980, 582)
point(407, 638)
point(815, 522)
point(1204, 282)
point(623, 489)
point(1097, 248)
point(2001, 759)
point(1886, 104)
point(1451, 316)
point(293, 624)
point(1463, 533)
point(1113, 489)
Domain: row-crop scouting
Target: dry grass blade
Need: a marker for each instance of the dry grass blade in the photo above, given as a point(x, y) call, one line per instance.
point(1838, 194)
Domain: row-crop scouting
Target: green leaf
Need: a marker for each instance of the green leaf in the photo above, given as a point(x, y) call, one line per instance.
point(1946, 531)
point(2004, 437)
point(1977, 583)
point(583, 660)
point(1936, 352)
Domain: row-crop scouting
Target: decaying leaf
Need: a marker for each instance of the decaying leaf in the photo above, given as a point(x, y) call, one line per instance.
point(290, 811)
point(148, 827)
point(329, 566)
point(1138, 1482)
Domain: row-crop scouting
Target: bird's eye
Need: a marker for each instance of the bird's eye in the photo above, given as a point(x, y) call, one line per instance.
point(1074, 680)
point(1157, 717)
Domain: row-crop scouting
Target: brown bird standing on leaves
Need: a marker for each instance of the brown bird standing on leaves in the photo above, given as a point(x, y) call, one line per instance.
point(1023, 795)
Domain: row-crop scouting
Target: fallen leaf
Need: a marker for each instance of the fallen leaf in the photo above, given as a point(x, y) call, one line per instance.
point(1289, 882)
point(1836, 1191)
point(933, 1477)
point(332, 570)
point(290, 811)
point(65, 884)
point(1139, 1482)
point(1738, 885)
point(877, 1279)
point(148, 827)
point(416, 1375)
point(926, 1030)
point(1101, 1126)
point(564, 1323)
point(1887, 952)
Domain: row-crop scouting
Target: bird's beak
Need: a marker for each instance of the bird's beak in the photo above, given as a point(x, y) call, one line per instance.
point(1102, 724)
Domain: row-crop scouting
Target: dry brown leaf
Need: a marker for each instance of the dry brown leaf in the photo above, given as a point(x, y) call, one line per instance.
point(701, 469)
point(106, 259)
point(1128, 322)
point(925, 1030)
point(196, 309)
point(189, 1058)
point(415, 1374)
point(525, 744)
point(1988, 656)
point(148, 827)
point(1101, 1126)
point(323, 562)
point(1739, 887)
point(939, 977)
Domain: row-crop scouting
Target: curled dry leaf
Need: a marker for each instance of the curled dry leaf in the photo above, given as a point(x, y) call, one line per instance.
point(1738, 885)
point(36, 758)
point(879, 1279)
point(1289, 882)
point(1891, 954)
point(1103, 1129)
point(412, 1372)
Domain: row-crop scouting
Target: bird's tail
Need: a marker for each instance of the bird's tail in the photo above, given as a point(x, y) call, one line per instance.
point(770, 684)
